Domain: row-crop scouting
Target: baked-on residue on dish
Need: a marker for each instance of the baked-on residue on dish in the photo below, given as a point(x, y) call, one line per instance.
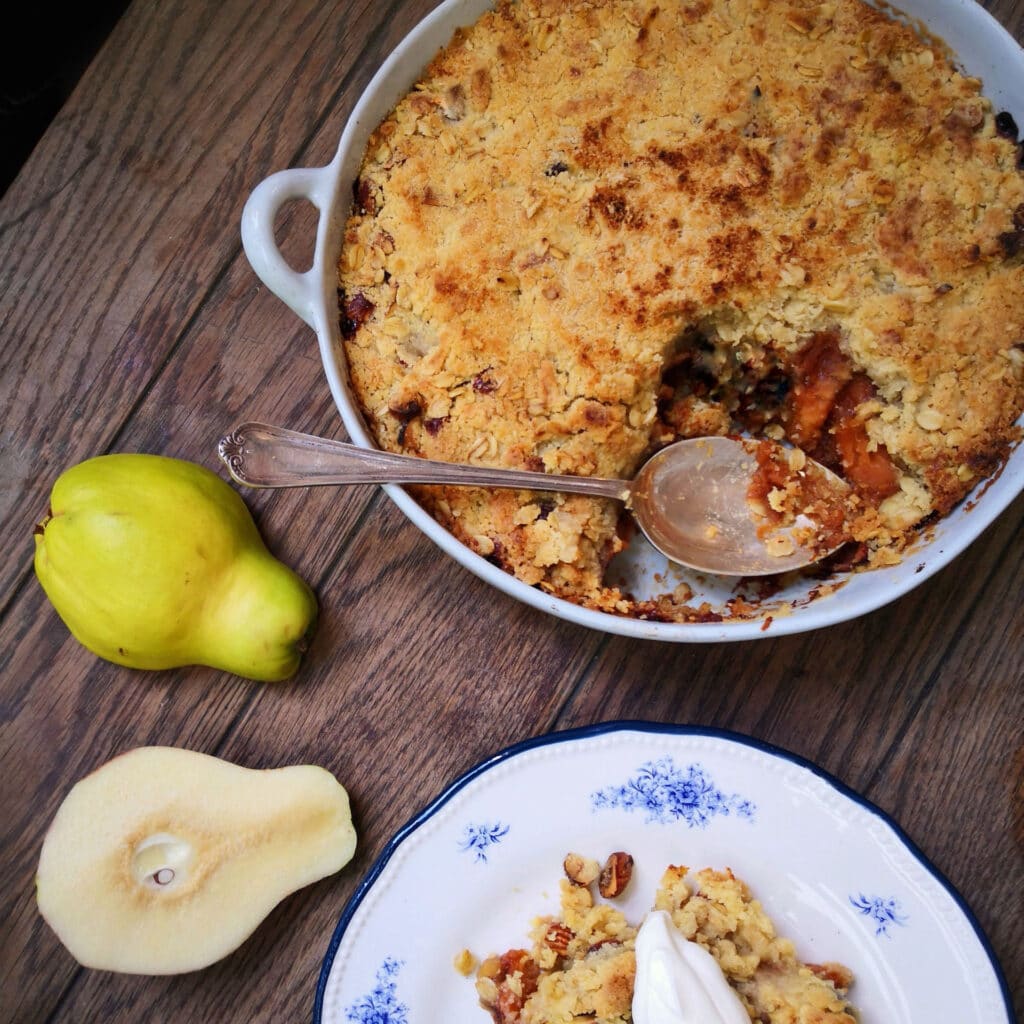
point(595, 226)
point(581, 963)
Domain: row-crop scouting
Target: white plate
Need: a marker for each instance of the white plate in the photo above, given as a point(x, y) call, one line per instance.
point(480, 862)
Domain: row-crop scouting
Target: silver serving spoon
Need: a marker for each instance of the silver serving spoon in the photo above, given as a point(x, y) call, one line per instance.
point(691, 499)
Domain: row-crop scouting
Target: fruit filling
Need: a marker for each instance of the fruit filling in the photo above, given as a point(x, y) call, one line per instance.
point(813, 398)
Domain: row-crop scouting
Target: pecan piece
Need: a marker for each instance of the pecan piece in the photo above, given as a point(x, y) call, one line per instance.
point(558, 936)
point(578, 869)
point(615, 874)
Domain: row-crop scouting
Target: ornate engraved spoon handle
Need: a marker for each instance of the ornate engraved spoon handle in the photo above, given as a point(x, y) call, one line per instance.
point(259, 455)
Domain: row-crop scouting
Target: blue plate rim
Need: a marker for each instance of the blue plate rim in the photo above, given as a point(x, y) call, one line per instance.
point(639, 725)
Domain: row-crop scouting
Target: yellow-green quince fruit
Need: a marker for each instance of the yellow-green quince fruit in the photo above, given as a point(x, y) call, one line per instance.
point(155, 563)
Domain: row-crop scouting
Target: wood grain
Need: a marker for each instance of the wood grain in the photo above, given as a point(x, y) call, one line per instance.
point(352, 712)
point(143, 254)
point(131, 321)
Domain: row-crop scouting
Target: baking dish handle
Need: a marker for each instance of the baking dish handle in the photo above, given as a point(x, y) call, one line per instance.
point(298, 290)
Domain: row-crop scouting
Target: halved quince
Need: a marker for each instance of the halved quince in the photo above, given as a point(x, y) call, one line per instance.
point(165, 860)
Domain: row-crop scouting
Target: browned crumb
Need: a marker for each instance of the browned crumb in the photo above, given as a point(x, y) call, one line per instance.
point(587, 232)
point(581, 964)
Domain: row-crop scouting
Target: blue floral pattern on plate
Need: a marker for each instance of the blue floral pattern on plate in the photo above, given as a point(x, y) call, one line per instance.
point(668, 793)
point(883, 912)
point(479, 838)
point(767, 814)
point(381, 1006)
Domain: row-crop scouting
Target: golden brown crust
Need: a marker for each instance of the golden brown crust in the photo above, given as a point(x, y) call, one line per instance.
point(578, 192)
point(582, 964)
point(719, 912)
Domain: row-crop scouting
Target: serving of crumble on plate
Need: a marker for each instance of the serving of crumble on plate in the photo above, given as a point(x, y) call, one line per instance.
point(582, 963)
point(481, 861)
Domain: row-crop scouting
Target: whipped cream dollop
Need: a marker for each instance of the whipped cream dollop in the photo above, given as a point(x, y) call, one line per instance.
point(678, 981)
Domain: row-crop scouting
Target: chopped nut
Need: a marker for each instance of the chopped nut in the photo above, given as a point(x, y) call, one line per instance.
point(581, 870)
point(558, 936)
point(615, 874)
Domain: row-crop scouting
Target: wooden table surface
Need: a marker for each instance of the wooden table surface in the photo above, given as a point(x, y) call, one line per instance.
point(131, 321)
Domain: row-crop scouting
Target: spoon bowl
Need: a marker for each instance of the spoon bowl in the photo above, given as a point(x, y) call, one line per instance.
point(704, 502)
point(724, 505)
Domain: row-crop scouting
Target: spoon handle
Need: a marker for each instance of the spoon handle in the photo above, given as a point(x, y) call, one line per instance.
point(259, 455)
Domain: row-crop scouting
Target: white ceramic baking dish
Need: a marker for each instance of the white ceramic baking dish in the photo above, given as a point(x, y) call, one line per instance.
point(983, 48)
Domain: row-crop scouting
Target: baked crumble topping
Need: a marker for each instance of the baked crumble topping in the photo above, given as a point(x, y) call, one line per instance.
point(581, 964)
point(596, 226)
